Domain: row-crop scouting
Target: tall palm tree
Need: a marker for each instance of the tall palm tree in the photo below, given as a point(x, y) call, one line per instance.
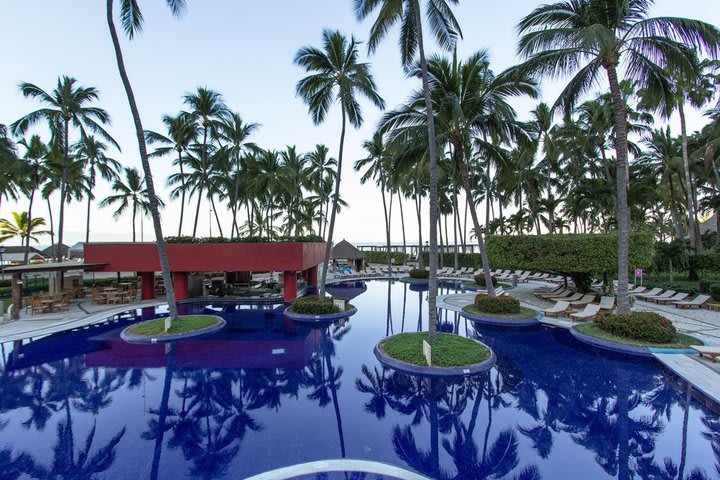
point(322, 174)
point(32, 172)
point(67, 104)
point(446, 30)
point(130, 193)
point(92, 153)
point(336, 75)
point(20, 226)
point(236, 132)
point(132, 21)
point(587, 36)
point(182, 131)
point(377, 165)
point(8, 158)
point(208, 109)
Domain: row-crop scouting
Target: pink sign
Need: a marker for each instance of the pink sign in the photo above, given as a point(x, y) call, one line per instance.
point(638, 272)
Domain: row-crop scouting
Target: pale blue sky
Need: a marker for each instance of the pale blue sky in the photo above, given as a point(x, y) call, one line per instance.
point(244, 50)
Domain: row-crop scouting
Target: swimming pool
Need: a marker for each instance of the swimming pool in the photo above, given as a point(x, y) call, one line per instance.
point(265, 394)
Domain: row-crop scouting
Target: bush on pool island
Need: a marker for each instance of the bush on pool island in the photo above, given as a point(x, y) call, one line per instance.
point(645, 326)
point(313, 305)
point(480, 280)
point(419, 274)
point(487, 304)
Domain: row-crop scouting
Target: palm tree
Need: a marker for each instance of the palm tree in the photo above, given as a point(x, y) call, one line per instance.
point(8, 157)
point(130, 193)
point(91, 152)
point(322, 168)
point(335, 76)
point(235, 132)
point(585, 36)
point(33, 172)
point(67, 104)
point(446, 30)
point(20, 226)
point(132, 21)
point(207, 108)
point(182, 131)
point(378, 165)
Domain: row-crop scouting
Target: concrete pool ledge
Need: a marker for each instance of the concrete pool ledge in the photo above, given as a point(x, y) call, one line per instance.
point(339, 466)
point(691, 369)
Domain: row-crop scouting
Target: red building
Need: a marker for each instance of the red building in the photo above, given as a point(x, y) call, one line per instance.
point(291, 258)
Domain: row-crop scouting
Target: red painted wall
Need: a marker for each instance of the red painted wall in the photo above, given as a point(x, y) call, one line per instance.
point(206, 257)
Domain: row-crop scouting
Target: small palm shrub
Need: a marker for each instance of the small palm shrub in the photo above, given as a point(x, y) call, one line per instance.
point(419, 273)
point(313, 305)
point(487, 304)
point(644, 326)
point(480, 280)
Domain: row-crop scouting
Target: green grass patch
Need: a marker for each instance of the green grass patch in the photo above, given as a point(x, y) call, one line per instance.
point(413, 279)
point(497, 284)
point(681, 340)
point(448, 350)
point(184, 324)
point(523, 313)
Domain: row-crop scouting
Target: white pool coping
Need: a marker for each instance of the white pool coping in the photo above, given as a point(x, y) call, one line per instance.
point(344, 465)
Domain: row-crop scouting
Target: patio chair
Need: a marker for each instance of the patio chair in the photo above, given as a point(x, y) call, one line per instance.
point(711, 352)
point(678, 297)
point(560, 308)
point(665, 294)
point(585, 300)
point(555, 295)
point(113, 297)
point(637, 290)
point(651, 293)
point(572, 298)
point(607, 303)
point(591, 309)
point(524, 277)
point(698, 301)
point(60, 302)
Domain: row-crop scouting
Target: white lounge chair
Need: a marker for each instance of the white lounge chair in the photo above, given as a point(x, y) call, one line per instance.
point(711, 352)
point(562, 295)
point(558, 309)
point(665, 294)
point(572, 298)
point(607, 303)
point(637, 290)
point(585, 300)
point(588, 313)
point(678, 297)
point(651, 293)
point(698, 302)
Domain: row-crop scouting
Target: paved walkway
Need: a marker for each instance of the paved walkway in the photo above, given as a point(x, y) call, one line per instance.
point(79, 315)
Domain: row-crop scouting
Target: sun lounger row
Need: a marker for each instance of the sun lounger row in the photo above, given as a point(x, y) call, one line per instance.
point(678, 299)
point(570, 307)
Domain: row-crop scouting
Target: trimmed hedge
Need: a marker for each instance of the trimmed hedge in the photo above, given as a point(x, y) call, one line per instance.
point(381, 257)
point(313, 305)
point(419, 273)
point(645, 326)
point(480, 280)
point(568, 253)
point(464, 259)
point(254, 239)
point(487, 304)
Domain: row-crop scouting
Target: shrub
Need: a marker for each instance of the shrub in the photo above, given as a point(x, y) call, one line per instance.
point(645, 326)
point(381, 257)
point(705, 262)
point(714, 290)
point(567, 253)
point(487, 304)
point(419, 273)
point(472, 260)
point(313, 305)
point(480, 280)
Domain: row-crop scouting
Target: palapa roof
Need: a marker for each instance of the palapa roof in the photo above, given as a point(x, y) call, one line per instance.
point(347, 251)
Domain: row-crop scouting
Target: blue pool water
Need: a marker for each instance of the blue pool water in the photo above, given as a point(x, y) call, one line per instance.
point(265, 394)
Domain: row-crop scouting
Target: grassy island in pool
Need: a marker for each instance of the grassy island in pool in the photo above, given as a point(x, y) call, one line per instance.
point(183, 324)
point(448, 350)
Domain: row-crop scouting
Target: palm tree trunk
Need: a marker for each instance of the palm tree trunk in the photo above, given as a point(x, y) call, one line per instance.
point(63, 194)
point(621, 147)
point(29, 223)
point(387, 223)
point(418, 211)
point(674, 214)
point(331, 228)
point(402, 223)
point(488, 197)
point(217, 219)
point(153, 200)
point(197, 210)
point(87, 222)
point(433, 262)
point(52, 224)
point(456, 223)
point(465, 176)
point(692, 214)
point(133, 219)
point(182, 193)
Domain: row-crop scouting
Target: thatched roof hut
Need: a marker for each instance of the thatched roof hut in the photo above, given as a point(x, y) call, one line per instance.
point(346, 251)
